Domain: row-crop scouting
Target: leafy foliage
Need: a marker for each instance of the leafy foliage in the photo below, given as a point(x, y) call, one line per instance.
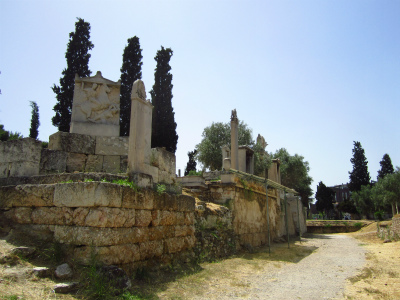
point(131, 70)
point(34, 130)
point(294, 174)
point(191, 165)
point(386, 166)
point(214, 137)
point(325, 197)
point(8, 135)
point(347, 206)
point(360, 175)
point(77, 63)
point(363, 200)
point(262, 160)
point(163, 124)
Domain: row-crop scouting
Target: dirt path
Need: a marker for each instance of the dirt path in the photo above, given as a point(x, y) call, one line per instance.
point(319, 275)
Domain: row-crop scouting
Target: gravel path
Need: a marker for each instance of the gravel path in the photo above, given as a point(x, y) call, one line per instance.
point(320, 275)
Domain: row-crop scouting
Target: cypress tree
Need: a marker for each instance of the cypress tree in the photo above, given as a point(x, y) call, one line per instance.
point(34, 130)
point(163, 126)
point(191, 165)
point(325, 197)
point(360, 175)
point(386, 166)
point(131, 70)
point(77, 63)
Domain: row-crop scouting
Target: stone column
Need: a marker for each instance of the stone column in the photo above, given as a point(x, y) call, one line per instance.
point(140, 130)
point(234, 140)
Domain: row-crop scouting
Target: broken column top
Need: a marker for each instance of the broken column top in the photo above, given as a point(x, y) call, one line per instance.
point(234, 115)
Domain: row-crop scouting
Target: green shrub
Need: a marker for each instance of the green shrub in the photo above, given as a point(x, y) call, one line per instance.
point(379, 215)
point(358, 225)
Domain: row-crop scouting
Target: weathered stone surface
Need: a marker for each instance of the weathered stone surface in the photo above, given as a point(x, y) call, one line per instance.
point(20, 215)
point(161, 232)
point(53, 161)
point(151, 249)
point(42, 272)
point(64, 288)
point(117, 277)
point(79, 215)
point(52, 215)
point(124, 163)
point(184, 230)
point(63, 271)
point(99, 236)
point(112, 145)
point(155, 217)
point(86, 194)
point(94, 163)
point(76, 162)
point(36, 232)
point(112, 164)
point(173, 245)
point(165, 202)
point(143, 217)
point(113, 255)
point(189, 218)
point(27, 195)
point(72, 142)
point(137, 200)
point(180, 218)
point(186, 203)
point(167, 218)
point(110, 217)
point(23, 251)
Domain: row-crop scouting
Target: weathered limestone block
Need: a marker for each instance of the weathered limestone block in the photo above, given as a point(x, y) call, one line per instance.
point(112, 145)
point(95, 236)
point(19, 169)
point(76, 162)
point(166, 177)
point(189, 218)
point(137, 200)
point(184, 230)
point(124, 163)
point(151, 249)
point(180, 218)
point(63, 271)
point(165, 202)
point(72, 142)
point(186, 203)
point(94, 163)
point(79, 215)
point(27, 195)
point(163, 160)
point(37, 232)
point(161, 232)
point(113, 255)
point(110, 217)
point(190, 241)
point(155, 217)
point(20, 215)
point(87, 194)
point(52, 216)
point(53, 161)
point(173, 245)
point(142, 217)
point(112, 164)
point(167, 218)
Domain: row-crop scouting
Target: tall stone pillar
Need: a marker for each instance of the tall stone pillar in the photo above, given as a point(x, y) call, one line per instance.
point(140, 130)
point(234, 140)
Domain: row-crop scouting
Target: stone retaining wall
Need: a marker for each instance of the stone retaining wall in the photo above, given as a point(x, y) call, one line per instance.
point(390, 230)
point(122, 226)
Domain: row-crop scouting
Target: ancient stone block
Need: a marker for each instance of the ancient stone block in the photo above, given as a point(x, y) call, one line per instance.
point(112, 145)
point(165, 202)
point(52, 215)
point(184, 230)
point(180, 218)
point(20, 215)
point(189, 218)
point(163, 160)
point(86, 194)
point(190, 241)
point(168, 218)
point(72, 142)
point(138, 200)
point(173, 245)
point(112, 164)
point(161, 232)
point(94, 163)
point(79, 215)
point(123, 164)
point(76, 162)
point(186, 203)
point(155, 217)
point(27, 195)
point(112, 255)
point(143, 217)
point(53, 161)
point(110, 217)
point(151, 249)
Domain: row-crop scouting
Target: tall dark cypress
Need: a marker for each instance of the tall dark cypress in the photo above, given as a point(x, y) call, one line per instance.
point(77, 63)
point(164, 126)
point(131, 70)
point(34, 130)
point(386, 166)
point(360, 175)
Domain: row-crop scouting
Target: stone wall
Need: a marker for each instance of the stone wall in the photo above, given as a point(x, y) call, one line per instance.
point(122, 226)
point(390, 230)
point(20, 157)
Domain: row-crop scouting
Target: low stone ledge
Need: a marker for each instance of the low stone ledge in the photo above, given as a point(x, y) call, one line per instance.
point(112, 255)
point(26, 195)
point(72, 142)
point(136, 199)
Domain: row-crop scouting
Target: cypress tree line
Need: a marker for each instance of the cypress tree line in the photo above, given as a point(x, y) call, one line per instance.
point(191, 165)
point(77, 63)
point(360, 175)
point(34, 130)
point(386, 166)
point(163, 125)
point(131, 70)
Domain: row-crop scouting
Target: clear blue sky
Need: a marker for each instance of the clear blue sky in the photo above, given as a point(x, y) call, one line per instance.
point(310, 76)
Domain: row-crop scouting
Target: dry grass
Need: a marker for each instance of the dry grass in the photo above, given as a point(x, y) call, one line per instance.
point(380, 278)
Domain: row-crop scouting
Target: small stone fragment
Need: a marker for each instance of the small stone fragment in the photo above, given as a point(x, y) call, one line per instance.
point(63, 271)
point(23, 251)
point(64, 288)
point(42, 272)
